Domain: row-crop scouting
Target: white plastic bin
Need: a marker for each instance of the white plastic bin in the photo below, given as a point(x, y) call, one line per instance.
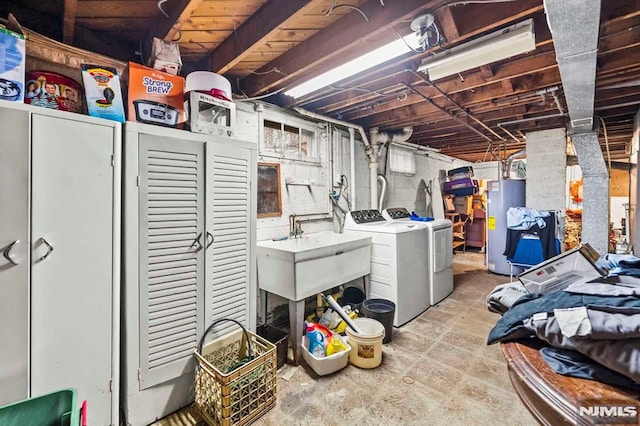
point(326, 365)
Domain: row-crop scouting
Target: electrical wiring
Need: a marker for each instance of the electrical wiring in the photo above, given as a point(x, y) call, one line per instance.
point(266, 95)
point(397, 34)
point(458, 3)
point(160, 3)
point(357, 9)
point(274, 69)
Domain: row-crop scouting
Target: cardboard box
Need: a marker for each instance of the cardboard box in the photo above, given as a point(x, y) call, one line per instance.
point(155, 97)
point(12, 65)
point(573, 266)
point(102, 90)
point(209, 115)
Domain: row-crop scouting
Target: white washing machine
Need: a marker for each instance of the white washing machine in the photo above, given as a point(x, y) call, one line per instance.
point(399, 263)
point(440, 252)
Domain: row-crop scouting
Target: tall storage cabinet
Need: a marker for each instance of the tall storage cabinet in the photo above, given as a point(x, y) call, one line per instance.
point(59, 274)
point(189, 257)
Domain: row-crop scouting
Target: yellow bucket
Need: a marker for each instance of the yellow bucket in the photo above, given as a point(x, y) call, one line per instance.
point(366, 347)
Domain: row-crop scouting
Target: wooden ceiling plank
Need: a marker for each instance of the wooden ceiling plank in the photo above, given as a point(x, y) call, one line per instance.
point(543, 60)
point(167, 28)
point(486, 93)
point(487, 72)
point(69, 20)
point(117, 8)
point(475, 19)
point(254, 31)
point(448, 27)
point(336, 41)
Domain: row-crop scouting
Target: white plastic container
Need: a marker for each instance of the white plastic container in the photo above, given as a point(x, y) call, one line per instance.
point(366, 347)
point(326, 365)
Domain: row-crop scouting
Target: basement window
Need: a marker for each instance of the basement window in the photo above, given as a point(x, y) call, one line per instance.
point(402, 160)
point(288, 141)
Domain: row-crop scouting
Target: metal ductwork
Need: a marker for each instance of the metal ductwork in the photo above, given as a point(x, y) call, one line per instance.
point(377, 140)
point(575, 27)
point(509, 160)
point(384, 186)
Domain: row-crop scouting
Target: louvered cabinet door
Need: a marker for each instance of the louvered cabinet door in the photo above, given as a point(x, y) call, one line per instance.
point(171, 209)
point(230, 214)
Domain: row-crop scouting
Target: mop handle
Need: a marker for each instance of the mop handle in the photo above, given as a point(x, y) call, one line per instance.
point(341, 312)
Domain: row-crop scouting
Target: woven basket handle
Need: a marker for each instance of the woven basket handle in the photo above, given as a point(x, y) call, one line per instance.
point(216, 322)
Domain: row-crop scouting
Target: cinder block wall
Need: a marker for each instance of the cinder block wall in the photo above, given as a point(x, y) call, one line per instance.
point(546, 169)
point(405, 189)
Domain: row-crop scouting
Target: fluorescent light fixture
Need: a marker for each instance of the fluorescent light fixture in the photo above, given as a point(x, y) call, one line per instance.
point(362, 63)
point(511, 41)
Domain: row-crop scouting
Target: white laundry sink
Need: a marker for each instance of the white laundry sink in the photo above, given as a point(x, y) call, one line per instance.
point(297, 268)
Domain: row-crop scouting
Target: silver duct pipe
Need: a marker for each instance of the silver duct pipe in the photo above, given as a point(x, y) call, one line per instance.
point(575, 26)
point(509, 160)
point(377, 140)
point(384, 185)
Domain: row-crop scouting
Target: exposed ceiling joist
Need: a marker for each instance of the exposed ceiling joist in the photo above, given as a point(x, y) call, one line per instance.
point(168, 27)
point(69, 20)
point(338, 40)
point(254, 31)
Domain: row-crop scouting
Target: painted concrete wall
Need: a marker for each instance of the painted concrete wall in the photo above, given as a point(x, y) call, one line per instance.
point(489, 170)
point(311, 202)
point(406, 190)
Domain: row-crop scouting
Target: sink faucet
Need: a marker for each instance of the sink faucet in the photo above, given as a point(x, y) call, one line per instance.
point(295, 227)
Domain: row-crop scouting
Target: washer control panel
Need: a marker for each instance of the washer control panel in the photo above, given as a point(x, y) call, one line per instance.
point(367, 216)
point(398, 213)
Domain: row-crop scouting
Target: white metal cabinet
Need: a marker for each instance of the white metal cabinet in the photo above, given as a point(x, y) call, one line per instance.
point(73, 274)
point(189, 239)
point(14, 265)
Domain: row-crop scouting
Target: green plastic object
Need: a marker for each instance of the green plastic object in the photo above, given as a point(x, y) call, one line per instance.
point(54, 409)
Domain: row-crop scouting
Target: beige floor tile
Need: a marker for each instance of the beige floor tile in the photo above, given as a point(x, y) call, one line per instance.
point(437, 370)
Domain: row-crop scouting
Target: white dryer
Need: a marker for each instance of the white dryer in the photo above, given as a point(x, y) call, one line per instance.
point(440, 252)
point(398, 262)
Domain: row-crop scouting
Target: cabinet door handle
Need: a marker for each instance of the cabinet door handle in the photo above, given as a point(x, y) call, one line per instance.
point(7, 252)
point(209, 239)
point(197, 243)
point(49, 249)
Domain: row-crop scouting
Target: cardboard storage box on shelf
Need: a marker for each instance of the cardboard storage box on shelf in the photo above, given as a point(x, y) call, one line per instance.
point(155, 97)
point(102, 90)
point(12, 65)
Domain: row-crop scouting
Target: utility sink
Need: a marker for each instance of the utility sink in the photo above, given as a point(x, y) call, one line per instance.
point(297, 268)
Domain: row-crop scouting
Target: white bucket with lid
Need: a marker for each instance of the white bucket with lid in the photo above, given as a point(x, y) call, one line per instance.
point(366, 347)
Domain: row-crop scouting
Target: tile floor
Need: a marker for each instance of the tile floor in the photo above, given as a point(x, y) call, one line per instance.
point(437, 370)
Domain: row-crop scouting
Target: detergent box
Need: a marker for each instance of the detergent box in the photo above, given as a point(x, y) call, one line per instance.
point(12, 65)
point(102, 90)
point(155, 97)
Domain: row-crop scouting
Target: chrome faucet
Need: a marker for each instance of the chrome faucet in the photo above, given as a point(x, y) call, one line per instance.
point(295, 227)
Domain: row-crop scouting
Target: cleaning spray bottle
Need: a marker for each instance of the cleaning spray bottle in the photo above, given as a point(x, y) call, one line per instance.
point(336, 345)
point(316, 342)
